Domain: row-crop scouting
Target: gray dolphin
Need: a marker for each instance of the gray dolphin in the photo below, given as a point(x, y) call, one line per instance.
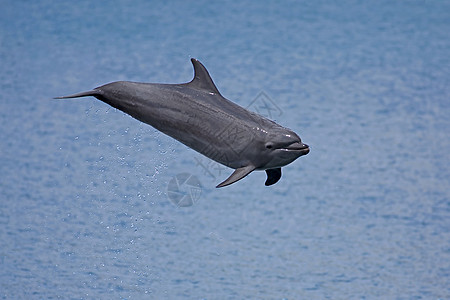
point(196, 114)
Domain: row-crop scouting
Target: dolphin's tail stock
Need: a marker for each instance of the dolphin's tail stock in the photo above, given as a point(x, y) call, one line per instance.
point(95, 93)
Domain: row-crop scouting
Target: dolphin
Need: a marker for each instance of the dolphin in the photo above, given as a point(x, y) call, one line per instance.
point(197, 115)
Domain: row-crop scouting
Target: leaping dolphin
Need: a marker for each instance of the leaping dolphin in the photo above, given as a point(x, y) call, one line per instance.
point(196, 114)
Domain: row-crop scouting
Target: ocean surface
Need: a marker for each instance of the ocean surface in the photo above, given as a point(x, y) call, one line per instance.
point(96, 205)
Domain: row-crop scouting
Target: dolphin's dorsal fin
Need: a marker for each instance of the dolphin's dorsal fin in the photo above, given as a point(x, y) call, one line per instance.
point(273, 175)
point(202, 80)
point(238, 174)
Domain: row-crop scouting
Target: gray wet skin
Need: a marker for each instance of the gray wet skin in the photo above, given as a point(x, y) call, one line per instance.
point(197, 115)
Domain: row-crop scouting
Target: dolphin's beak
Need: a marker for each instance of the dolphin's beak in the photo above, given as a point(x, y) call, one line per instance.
point(297, 146)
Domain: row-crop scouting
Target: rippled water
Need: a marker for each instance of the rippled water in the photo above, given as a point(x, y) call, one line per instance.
point(85, 212)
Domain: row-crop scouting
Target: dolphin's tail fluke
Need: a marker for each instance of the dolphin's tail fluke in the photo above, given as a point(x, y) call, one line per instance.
point(94, 93)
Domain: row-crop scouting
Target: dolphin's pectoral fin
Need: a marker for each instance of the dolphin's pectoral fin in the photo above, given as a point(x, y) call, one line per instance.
point(273, 175)
point(238, 174)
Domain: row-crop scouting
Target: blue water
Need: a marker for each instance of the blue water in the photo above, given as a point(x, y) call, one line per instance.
point(84, 209)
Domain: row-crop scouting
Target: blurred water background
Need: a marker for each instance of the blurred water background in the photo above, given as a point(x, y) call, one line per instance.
point(84, 212)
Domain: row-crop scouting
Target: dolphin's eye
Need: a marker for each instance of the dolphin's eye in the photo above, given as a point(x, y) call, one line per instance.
point(269, 146)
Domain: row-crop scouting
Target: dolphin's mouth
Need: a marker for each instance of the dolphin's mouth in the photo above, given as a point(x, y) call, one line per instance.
point(297, 147)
